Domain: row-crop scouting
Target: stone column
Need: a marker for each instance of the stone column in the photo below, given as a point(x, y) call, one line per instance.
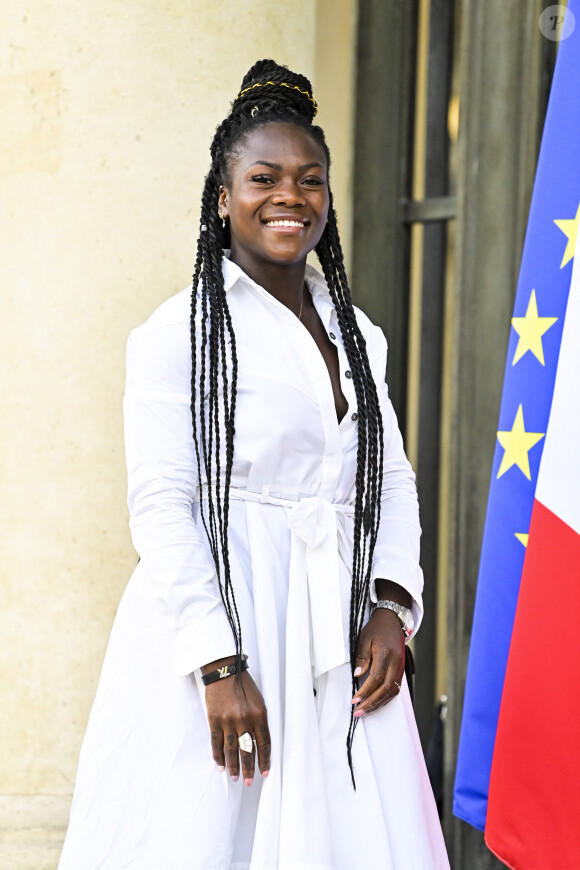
point(108, 110)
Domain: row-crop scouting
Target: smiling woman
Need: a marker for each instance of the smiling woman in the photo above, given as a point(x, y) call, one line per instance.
point(275, 515)
point(276, 198)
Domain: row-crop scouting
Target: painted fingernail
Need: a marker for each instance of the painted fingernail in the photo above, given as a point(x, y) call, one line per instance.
point(248, 781)
point(359, 713)
point(234, 778)
point(356, 701)
point(265, 773)
point(220, 768)
point(357, 672)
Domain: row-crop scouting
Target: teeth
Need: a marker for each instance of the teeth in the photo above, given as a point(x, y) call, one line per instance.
point(284, 224)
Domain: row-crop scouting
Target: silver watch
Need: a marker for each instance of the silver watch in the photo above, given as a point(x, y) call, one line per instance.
point(405, 615)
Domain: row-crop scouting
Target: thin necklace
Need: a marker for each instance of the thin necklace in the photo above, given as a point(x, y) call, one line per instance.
point(301, 301)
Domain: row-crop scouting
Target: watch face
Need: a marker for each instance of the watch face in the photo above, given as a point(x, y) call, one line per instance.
point(406, 616)
point(409, 620)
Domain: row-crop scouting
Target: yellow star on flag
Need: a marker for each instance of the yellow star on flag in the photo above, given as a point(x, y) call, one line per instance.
point(530, 330)
point(522, 538)
point(570, 229)
point(516, 444)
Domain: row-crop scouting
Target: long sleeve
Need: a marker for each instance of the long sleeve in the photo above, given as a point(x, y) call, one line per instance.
point(396, 555)
point(162, 479)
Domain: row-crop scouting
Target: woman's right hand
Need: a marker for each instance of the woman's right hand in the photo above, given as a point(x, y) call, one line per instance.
point(235, 705)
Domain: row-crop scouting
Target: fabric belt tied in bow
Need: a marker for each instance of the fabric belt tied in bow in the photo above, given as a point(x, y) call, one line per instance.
point(319, 542)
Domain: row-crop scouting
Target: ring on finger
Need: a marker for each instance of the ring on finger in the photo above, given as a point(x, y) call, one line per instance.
point(245, 742)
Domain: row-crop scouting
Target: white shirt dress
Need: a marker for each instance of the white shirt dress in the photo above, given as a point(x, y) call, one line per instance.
point(148, 794)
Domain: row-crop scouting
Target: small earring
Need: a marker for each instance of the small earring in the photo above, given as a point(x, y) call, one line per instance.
point(223, 218)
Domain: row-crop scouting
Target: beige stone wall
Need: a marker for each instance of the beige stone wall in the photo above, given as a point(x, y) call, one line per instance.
point(107, 112)
point(334, 77)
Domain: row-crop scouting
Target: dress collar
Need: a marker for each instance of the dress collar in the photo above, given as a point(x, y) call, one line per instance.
point(233, 273)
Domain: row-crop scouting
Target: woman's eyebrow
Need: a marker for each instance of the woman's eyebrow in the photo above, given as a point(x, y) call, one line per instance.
point(266, 163)
point(277, 166)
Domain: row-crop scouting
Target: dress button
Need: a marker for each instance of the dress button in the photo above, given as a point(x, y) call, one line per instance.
point(332, 335)
point(354, 417)
point(348, 374)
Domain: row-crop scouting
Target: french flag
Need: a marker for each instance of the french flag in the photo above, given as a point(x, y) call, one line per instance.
point(533, 815)
point(518, 765)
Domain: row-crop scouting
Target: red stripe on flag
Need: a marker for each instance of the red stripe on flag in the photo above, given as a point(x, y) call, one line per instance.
point(533, 817)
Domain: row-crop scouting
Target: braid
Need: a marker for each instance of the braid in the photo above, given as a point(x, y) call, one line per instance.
point(370, 447)
point(271, 94)
point(209, 366)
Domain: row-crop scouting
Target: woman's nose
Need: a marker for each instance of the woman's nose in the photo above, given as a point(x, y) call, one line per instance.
point(288, 193)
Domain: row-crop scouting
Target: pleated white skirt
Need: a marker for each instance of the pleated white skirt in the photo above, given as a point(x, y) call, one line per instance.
point(150, 797)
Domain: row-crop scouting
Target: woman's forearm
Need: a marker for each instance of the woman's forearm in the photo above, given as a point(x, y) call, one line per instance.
point(391, 591)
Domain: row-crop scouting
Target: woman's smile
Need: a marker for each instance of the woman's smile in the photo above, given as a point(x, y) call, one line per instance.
point(283, 223)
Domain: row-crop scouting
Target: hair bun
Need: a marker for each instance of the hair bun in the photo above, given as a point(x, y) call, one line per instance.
point(268, 85)
point(263, 70)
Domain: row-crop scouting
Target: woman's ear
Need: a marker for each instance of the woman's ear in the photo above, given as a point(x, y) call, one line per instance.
point(223, 201)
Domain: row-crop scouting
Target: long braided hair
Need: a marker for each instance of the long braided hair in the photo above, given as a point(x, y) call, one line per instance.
point(271, 93)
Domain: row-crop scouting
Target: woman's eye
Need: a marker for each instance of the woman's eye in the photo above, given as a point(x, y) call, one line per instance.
point(262, 179)
point(313, 180)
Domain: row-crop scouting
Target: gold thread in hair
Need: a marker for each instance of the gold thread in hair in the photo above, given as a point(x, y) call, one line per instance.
point(278, 85)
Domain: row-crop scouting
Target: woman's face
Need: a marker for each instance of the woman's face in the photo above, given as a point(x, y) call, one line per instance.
point(276, 197)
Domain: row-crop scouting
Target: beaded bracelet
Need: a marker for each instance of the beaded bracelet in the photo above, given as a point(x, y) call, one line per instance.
point(226, 671)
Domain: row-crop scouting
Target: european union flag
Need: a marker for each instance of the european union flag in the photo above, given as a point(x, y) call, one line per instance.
point(534, 347)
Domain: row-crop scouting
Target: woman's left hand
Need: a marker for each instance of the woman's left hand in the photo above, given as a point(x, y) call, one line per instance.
point(380, 661)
